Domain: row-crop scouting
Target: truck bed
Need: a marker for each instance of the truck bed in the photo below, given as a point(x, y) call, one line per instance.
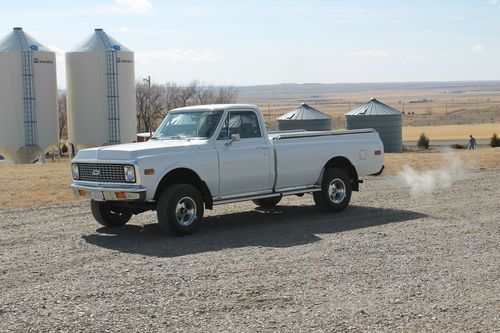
point(280, 135)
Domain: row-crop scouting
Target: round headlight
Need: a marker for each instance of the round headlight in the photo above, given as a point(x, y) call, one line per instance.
point(75, 171)
point(129, 173)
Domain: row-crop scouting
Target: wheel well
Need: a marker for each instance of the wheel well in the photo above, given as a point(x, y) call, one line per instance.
point(343, 163)
point(185, 176)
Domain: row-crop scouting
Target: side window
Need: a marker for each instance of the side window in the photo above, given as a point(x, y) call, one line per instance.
point(244, 123)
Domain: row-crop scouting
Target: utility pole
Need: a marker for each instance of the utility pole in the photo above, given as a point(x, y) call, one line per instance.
point(269, 113)
point(446, 107)
point(148, 105)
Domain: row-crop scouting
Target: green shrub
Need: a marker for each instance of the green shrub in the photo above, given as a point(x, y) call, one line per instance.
point(495, 140)
point(423, 141)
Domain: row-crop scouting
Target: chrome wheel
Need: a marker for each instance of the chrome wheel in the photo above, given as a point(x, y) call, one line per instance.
point(337, 191)
point(179, 209)
point(185, 211)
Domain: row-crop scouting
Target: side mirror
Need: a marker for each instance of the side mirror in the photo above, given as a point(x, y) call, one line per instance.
point(234, 137)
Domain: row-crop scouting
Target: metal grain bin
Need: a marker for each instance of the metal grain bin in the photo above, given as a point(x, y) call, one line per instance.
point(101, 92)
point(305, 117)
point(387, 121)
point(28, 98)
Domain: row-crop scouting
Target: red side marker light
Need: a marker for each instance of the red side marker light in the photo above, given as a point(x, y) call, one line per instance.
point(378, 152)
point(82, 192)
point(121, 195)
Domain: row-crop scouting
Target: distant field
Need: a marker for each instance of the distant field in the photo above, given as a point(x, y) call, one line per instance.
point(48, 184)
point(452, 132)
point(424, 104)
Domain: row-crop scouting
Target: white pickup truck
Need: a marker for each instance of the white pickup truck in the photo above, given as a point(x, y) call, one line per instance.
point(202, 156)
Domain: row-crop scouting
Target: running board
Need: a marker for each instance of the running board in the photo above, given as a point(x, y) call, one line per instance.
point(267, 195)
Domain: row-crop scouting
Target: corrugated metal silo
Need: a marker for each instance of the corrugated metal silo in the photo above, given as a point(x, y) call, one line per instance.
point(28, 98)
point(387, 121)
point(305, 117)
point(101, 92)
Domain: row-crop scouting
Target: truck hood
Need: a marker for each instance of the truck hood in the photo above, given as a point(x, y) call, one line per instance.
point(133, 151)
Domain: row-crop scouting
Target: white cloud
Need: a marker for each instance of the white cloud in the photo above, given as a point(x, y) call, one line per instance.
point(176, 55)
point(456, 18)
point(132, 6)
point(415, 57)
point(119, 7)
point(122, 29)
point(478, 48)
point(493, 2)
point(370, 54)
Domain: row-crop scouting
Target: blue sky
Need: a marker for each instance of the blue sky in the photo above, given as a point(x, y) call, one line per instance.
point(265, 42)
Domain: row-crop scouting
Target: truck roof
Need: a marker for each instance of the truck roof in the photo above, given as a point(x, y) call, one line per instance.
point(213, 107)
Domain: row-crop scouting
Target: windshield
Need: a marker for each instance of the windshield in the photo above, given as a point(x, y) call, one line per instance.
point(188, 125)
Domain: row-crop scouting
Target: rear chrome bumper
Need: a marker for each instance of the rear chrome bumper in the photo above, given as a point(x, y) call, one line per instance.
point(111, 193)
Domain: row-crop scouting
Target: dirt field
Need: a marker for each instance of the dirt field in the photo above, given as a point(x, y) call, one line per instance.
point(390, 262)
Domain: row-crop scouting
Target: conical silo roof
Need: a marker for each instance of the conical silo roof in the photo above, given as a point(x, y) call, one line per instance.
point(304, 112)
point(373, 108)
point(99, 41)
point(18, 40)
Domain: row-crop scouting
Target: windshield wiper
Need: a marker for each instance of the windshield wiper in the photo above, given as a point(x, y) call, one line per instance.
point(175, 137)
point(179, 137)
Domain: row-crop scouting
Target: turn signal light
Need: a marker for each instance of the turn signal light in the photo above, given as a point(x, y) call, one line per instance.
point(82, 192)
point(149, 171)
point(121, 195)
point(378, 152)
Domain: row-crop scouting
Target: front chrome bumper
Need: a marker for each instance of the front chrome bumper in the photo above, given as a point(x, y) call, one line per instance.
point(111, 193)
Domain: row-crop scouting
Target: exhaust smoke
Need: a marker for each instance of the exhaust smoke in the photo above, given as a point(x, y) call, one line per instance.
point(421, 183)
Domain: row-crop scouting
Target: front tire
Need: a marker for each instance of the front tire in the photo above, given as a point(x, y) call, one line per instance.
point(335, 191)
point(109, 214)
point(267, 202)
point(180, 210)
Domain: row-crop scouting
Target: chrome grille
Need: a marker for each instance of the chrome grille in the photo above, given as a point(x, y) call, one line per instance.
point(107, 173)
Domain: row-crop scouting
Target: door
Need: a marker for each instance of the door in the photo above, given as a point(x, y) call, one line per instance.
point(244, 164)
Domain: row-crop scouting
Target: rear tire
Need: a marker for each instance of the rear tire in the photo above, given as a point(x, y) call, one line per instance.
point(109, 214)
point(180, 210)
point(335, 191)
point(267, 202)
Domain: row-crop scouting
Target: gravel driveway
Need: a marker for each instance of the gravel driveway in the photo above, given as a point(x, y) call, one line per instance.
point(389, 262)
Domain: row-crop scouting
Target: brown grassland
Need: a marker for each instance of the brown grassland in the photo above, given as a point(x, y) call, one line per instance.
point(48, 184)
point(452, 132)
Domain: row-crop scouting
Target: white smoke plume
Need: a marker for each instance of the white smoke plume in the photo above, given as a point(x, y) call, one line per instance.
point(423, 183)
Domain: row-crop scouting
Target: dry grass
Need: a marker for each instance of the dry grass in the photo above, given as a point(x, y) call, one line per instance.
point(482, 158)
point(33, 185)
point(452, 132)
point(48, 184)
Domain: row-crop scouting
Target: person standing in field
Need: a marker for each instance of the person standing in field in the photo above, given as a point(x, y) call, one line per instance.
point(472, 143)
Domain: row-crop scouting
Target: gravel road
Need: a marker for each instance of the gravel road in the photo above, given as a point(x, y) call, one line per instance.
point(389, 262)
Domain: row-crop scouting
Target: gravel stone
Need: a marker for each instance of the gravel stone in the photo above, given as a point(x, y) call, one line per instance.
point(389, 262)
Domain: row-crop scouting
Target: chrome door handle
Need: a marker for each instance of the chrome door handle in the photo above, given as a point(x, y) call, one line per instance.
point(262, 147)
